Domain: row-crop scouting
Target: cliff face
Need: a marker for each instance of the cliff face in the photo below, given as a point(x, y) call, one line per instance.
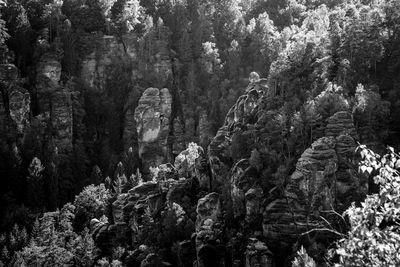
point(242, 197)
point(15, 100)
point(152, 118)
point(55, 100)
point(94, 67)
point(277, 207)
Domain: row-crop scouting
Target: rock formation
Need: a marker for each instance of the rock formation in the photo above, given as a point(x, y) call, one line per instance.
point(209, 247)
point(17, 97)
point(55, 99)
point(106, 49)
point(239, 117)
point(19, 105)
point(258, 254)
point(152, 118)
point(130, 131)
point(323, 179)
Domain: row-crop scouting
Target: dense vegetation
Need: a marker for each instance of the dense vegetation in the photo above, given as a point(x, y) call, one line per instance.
point(317, 56)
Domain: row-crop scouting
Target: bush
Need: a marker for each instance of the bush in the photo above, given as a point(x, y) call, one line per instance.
point(374, 236)
point(55, 243)
point(303, 260)
point(91, 203)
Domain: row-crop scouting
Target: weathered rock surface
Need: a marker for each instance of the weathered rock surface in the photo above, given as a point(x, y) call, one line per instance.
point(209, 247)
point(321, 183)
point(243, 156)
point(17, 98)
point(178, 136)
point(152, 118)
point(94, 66)
point(130, 131)
point(49, 67)
point(61, 117)
point(263, 194)
point(237, 122)
point(107, 236)
point(205, 135)
point(340, 123)
point(55, 99)
point(19, 104)
point(258, 254)
point(8, 72)
point(162, 66)
point(309, 191)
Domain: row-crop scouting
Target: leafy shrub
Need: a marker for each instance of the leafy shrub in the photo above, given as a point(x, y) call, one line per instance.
point(54, 242)
point(374, 236)
point(91, 203)
point(330, 101)
point(303, 260)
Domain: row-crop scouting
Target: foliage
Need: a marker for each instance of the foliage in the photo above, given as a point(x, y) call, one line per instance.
point(125, 15)
point(374, 236)
point(15, 240)
point(303, 260)
point(54, 243)
point(35, 183)
point(187, 162)
point(330, 101)
point(91, 203)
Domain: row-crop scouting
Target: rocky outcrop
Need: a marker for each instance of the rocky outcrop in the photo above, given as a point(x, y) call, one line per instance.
point(8, 72)
point(340, 123)
point(177, 137)
point(258, 254)
point(188, 166)
point(162, 67)
point(130, 131)
point(148, 211)
point(209, 231)
point(259, 200)
point(152, 118)
point(15, 101)
point(19, 105)
point(106, 49)
point(309, 191)
point(106, 236)
point(49, 67)
point(55, 99)
point(322, 182)
point(236, 125)
point(243, 157)
point(8, 85)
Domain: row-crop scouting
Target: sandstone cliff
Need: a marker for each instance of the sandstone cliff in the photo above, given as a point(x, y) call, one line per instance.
point(152, 118)
point(245, 196)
